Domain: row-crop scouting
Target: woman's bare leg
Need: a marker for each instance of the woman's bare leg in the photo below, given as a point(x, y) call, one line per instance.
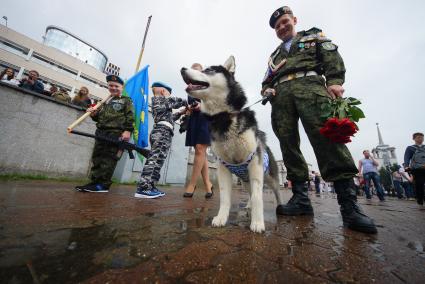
point(198, 164)
point(205, 174)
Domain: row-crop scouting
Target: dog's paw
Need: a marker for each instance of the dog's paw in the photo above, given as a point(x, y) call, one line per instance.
point(257, 227)
point(218, 221)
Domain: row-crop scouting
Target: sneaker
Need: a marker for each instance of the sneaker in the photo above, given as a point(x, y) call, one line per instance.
point(147, 193)
point(154, 188)
point(96, 188)
point(159, 191)
point(83, 187)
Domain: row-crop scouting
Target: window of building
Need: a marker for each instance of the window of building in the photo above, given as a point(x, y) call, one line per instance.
point(47, 62)
point(13, 47)
point(4, 65)
point(92, 81)
point(75, 47)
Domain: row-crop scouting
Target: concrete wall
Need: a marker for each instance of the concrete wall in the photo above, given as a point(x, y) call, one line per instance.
point(33, 137)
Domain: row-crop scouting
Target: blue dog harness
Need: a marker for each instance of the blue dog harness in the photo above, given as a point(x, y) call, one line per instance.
point(241, 170)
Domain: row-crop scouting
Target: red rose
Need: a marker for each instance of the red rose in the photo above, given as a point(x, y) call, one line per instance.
point(347, 127)
point(332, 123)
point(338, 131)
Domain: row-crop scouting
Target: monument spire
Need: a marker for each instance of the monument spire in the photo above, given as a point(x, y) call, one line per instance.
point(381, 141)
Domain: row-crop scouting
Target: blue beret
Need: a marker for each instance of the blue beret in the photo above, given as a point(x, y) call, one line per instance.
point(113, 78)
point(161, 85)
point(278, 13)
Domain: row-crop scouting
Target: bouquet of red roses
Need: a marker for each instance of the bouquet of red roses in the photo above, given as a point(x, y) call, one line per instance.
point(341, 115)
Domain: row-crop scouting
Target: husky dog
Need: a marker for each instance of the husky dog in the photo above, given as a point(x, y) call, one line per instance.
point(236, 140)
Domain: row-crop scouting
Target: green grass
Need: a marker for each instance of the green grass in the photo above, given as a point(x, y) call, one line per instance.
point(9, 177)
point(12, 177)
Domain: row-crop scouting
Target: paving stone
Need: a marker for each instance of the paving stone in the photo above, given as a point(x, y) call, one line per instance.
point(52, 234)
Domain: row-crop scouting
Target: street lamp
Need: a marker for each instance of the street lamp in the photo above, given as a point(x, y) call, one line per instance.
point(5, 18)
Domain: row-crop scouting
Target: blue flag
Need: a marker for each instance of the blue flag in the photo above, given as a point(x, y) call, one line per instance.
point(137, 88)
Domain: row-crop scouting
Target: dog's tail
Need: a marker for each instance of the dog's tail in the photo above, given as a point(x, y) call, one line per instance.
point(273, 170)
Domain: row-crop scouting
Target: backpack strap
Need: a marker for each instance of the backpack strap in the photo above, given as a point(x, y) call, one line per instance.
point(418, 147)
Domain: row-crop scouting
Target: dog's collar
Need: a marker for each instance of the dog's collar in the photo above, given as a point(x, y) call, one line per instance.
point(246, 162)
point(223, 113)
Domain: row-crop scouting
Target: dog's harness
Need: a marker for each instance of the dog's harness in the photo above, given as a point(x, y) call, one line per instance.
point(241, 170)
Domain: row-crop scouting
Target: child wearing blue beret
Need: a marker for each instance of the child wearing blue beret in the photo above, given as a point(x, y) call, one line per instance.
point(160, 138)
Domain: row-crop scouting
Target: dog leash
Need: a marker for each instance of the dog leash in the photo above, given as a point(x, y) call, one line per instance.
point(263, 101)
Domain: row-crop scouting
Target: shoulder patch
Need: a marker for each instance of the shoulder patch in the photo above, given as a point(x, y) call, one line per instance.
point(313, 30)
point(327, 45)
point(320, 36)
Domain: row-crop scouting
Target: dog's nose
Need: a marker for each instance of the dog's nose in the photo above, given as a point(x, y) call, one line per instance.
point(183, 70)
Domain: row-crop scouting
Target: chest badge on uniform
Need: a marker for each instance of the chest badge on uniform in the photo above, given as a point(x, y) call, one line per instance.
point(328, 46)
point(301, 45)
point(117, 106)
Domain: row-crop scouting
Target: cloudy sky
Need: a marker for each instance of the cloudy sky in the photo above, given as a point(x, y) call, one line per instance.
point(382, 43)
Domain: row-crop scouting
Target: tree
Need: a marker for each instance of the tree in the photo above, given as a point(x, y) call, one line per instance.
point(385, 178)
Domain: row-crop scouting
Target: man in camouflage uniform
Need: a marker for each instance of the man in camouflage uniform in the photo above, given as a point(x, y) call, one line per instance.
point(303, 72)
point(114, 119)
point(160, 139)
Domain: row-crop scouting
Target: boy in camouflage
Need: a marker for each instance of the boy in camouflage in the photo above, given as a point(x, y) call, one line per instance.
point(160, 139)
point(114, 119)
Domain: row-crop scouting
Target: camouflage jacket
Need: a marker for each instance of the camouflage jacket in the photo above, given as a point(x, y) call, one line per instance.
point(162, 108)
point(117, 114)
point(310, 51)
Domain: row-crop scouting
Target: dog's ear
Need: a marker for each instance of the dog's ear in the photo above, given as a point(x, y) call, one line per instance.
point(230, 64)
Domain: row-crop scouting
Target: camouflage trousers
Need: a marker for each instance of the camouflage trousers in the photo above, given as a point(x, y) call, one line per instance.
point(300, 99)
point(104, 159)
point(160, 140)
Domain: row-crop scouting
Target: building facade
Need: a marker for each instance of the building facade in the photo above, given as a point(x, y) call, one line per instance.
point(55, 66)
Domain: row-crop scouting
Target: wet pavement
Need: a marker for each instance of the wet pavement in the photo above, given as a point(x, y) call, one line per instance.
point(51, 234)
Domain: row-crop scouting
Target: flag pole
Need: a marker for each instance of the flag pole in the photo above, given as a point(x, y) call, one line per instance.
point(143, 44)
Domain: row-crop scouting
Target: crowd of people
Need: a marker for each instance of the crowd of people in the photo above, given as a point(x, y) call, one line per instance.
point(115, 119)
point(33, 83)
point(406, 182)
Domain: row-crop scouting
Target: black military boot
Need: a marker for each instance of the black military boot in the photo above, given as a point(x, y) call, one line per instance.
point(352, 215)
point(299, 204)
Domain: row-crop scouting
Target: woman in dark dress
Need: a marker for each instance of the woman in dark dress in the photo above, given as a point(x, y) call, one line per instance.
point(198, 136)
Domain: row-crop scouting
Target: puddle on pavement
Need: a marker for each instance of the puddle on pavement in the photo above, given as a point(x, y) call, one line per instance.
point(71, 255)
point(416, 246)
